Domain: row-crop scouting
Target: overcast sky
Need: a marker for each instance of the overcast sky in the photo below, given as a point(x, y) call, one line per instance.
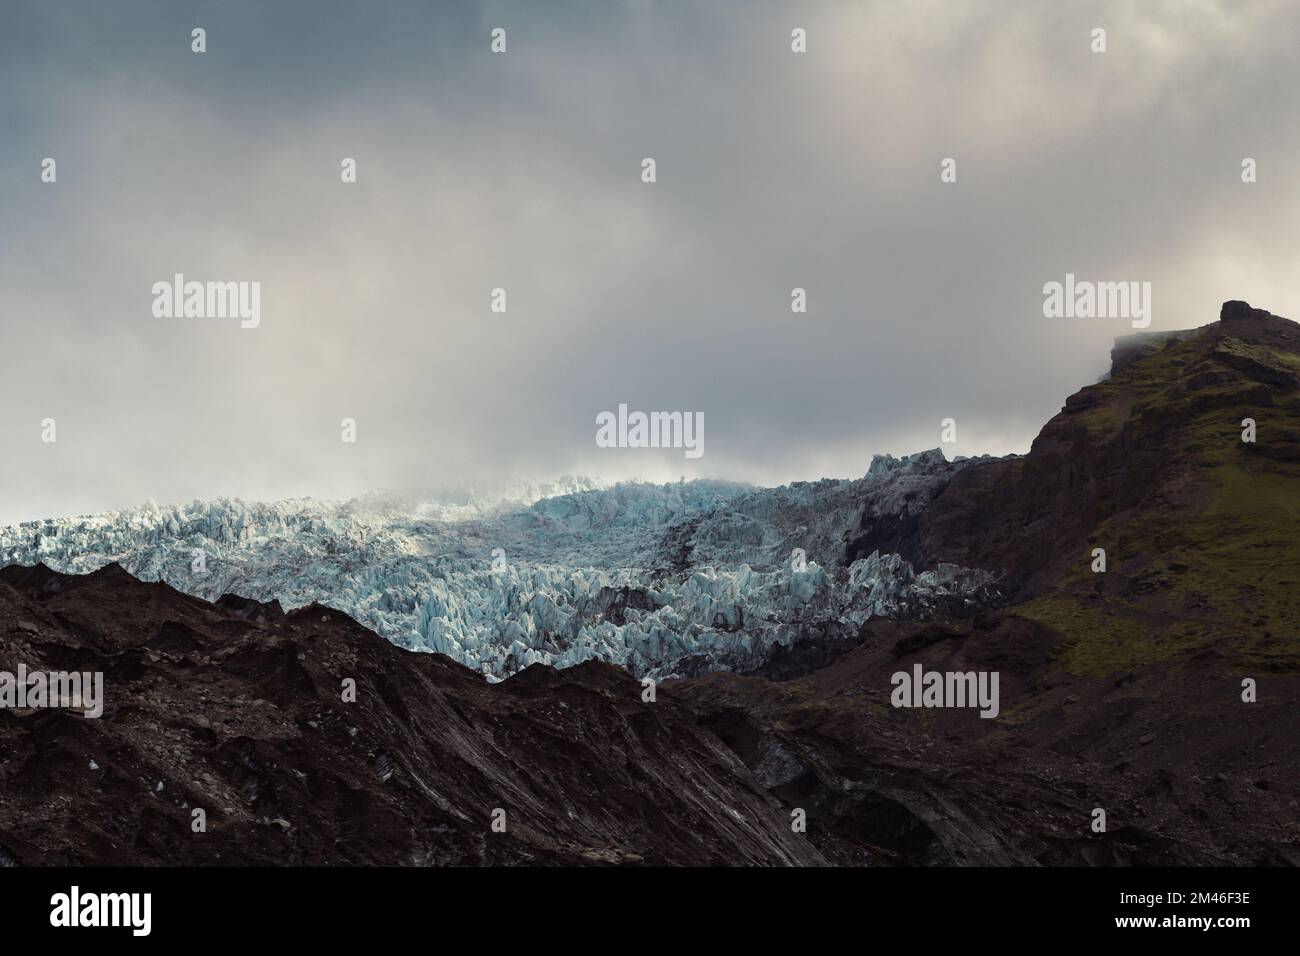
point(522, 170)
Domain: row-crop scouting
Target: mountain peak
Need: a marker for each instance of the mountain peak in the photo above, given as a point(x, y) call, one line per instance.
point(1237, 318)
point(1236, 310)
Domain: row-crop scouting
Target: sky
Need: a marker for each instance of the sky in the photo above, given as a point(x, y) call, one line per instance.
point(522, 170)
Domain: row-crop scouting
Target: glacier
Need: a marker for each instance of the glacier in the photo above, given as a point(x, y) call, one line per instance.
point(666, 580)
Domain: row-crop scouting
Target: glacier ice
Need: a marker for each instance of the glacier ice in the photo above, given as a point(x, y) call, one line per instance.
point(666, 580)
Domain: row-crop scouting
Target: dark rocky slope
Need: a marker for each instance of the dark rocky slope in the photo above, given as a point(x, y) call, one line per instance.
point(237, 708)
point(1185, 771)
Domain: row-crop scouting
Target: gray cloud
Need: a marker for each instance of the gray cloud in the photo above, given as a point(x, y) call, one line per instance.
point(522, 171)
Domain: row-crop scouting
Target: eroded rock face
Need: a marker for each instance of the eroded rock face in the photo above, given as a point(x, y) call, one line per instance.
point(1235, 310)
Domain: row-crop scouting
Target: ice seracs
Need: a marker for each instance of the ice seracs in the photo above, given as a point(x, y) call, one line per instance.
point(663, 579)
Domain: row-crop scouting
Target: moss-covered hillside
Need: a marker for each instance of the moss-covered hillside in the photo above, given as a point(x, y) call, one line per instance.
point(1201, 529)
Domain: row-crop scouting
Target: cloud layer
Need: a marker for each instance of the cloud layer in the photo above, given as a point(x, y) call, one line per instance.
point(522, 171)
